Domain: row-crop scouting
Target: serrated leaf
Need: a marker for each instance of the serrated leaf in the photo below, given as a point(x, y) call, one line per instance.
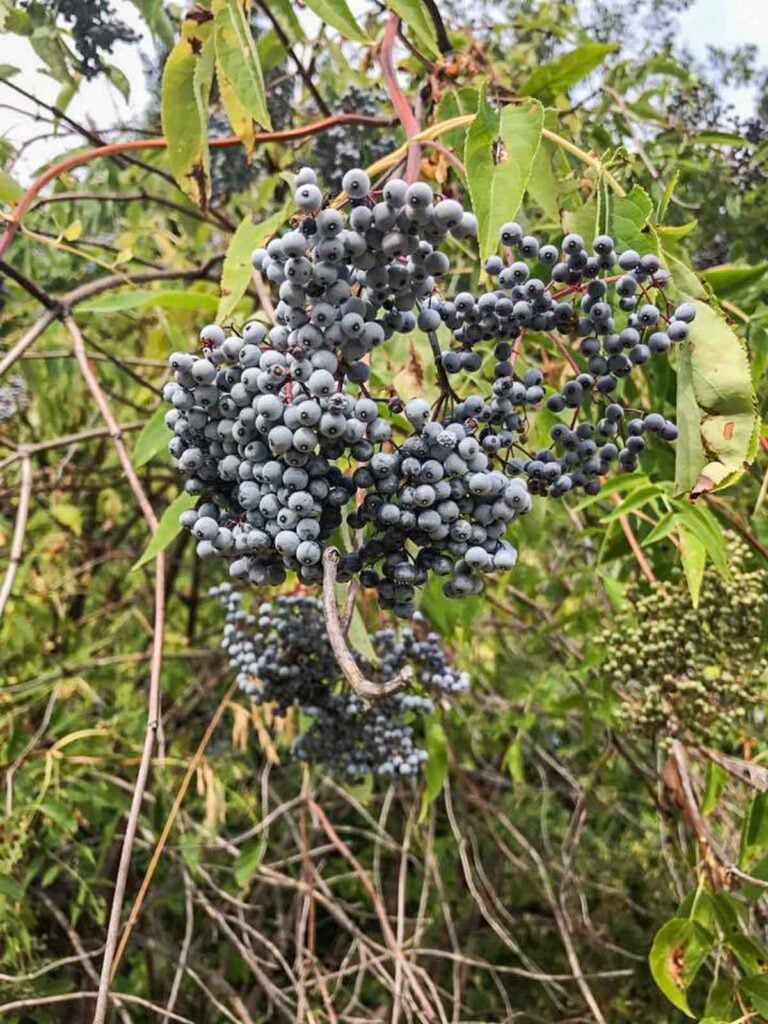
point(337, 14)
point(236, 272)
point(631, 214)
point(415, 15)
point(436, 766)
point(187, 81)
point(478, 160)
point(237, 58)
point(168, 528)
point(152, 439)
point(138, 298)
point(716, 405)
point(678, 951)
point(497, 188)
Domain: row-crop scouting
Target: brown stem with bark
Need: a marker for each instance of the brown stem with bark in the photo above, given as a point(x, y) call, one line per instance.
point(78, 159)
point(364, 688)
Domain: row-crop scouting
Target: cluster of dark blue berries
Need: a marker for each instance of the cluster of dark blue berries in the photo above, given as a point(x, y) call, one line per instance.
point(275, 427)
point(282, 657)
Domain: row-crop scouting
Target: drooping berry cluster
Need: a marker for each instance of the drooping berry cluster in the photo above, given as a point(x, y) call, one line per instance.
point(282, 657)
point(278, 432)
point(697, 674)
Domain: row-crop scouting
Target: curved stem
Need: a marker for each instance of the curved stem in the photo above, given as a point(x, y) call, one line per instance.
point(77, 159)
point(364, 688)
point(19, 529)
point(402, 107)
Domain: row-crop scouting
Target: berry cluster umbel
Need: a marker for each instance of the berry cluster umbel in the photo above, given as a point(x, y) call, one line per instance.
point(283, 658)
point(696, 674)
point(277, 430)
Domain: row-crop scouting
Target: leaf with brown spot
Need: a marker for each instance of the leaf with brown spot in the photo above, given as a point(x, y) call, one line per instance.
point(679, 949)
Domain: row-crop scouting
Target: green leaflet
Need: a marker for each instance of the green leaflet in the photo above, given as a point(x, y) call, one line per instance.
point(236, 272)
point(436, 767)
point(563, 72)
point(168, 528)
point(237, 58)
point(678, 952)
point(630, 214)
point(416, 17)
point(337, 14)
point(497, 187)
point(153, 437)
point(187, 81)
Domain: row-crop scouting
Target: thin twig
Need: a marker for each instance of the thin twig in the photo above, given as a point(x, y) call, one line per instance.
point(19, 529)
point(364, 688)
point(168, 826)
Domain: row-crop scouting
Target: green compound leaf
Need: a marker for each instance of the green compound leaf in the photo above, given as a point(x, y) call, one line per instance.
point(337, 14)
point(560, 74)
point(152, 439)
point(187, 81)
point(168, 528)
point(237, 58)
point(678, 952)
point(236, 272)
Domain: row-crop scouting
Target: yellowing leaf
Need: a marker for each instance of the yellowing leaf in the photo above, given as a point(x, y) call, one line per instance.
point(72, 232)
point(187, 81)
point(237, 58)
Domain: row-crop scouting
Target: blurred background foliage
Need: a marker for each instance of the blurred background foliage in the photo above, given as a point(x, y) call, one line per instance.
point(556, 834)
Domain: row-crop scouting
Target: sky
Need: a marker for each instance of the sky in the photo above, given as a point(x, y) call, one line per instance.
point(724, 23)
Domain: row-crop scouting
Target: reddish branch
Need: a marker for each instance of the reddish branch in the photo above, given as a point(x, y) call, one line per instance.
point(78, 159)
point(402, 107)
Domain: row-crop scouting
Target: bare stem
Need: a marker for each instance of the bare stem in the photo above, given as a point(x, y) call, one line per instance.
point(19, 530)
point(364, 688)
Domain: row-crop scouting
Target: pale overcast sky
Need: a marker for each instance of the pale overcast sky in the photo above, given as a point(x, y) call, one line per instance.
point(723, 23)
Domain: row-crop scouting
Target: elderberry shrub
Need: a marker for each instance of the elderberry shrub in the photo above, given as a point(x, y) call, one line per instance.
point(277, 432)
point(282, 657)
point(697, 674)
